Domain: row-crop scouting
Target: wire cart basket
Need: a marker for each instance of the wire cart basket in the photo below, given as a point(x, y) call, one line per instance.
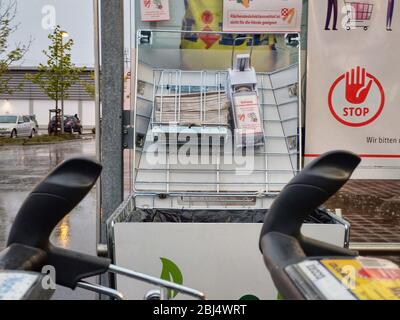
point(196, 103)
point(179, 202)
point(359, 14)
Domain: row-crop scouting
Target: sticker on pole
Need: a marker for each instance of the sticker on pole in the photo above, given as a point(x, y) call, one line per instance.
point(356, 98)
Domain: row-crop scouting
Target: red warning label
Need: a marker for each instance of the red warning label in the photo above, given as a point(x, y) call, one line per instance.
point(356, 98)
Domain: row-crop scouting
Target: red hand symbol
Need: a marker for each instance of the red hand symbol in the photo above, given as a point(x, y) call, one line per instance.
point(356, 91)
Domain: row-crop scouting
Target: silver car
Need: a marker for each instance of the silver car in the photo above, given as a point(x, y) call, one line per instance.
point(14, 126)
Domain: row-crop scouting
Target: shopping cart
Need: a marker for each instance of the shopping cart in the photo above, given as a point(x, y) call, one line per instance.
point(359, 14)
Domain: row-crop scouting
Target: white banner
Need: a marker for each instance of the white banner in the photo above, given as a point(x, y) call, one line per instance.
point(262, 16)
point(353, 88)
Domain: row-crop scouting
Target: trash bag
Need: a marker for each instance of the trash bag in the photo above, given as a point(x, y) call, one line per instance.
point(217, 216)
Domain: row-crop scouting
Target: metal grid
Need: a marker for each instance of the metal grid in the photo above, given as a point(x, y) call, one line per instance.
point(173, 84)
point(274, 164)
point(371, 206)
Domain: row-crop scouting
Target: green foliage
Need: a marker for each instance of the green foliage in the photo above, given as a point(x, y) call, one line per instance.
point(249, 297)
point(59, 73)
point(8, 56)
point(57, 76)
point(37, 140)
point(89, 85)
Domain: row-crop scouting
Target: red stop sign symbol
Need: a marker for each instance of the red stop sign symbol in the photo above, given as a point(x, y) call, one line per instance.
point(356, 98)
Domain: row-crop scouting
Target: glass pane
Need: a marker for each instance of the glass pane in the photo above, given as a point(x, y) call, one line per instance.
point(184, 87)
point(213, 51)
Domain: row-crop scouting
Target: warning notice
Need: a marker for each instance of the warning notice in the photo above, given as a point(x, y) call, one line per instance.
point(262, 16)
point(356, 98)
point(353, 86)
point(247, 111)
point(154, 10)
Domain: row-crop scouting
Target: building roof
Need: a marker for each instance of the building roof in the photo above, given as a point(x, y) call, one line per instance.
point(24, 89)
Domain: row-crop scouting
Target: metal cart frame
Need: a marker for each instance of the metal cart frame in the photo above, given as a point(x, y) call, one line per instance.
point(213, 188)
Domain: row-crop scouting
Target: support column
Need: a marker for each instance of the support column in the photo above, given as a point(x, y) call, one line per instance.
point(112, 89)
point(80, 103)
point(31, 112)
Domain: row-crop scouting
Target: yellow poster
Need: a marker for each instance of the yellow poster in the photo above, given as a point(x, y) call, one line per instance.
point(202, 16)
point(367, 278)
point(207, 15)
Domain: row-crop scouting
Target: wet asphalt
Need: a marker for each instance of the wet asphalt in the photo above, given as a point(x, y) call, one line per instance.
point(21, 168)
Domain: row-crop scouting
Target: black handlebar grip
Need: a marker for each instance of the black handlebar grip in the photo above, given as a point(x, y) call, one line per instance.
point(44, 208)
point(52, 200)
point(20, 257)
point(311, 188)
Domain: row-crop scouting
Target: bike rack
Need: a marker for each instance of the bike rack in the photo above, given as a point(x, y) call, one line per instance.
point(154, 295)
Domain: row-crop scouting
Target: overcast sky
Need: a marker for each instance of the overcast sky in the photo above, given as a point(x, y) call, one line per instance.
point(35, 18)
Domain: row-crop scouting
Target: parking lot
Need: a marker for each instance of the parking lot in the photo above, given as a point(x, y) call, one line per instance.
point(369, 207)
point(21, 168)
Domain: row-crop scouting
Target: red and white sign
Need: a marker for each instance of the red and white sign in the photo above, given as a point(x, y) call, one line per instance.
point(262, 16)
point(353, 91)
point(154, 10)
point(247, 111)
point(356, 98)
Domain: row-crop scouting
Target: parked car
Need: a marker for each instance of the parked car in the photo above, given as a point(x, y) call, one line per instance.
point(33, 118)
point(71, 124)
point(14, 126)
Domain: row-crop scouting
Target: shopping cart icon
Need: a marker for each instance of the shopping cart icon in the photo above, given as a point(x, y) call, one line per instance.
point(359, 14)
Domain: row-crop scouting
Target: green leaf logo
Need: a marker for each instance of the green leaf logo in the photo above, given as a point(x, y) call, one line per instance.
point(249, 297)
point(170, 272)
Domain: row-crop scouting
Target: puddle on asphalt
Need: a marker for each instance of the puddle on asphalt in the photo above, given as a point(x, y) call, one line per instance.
point(21, 168)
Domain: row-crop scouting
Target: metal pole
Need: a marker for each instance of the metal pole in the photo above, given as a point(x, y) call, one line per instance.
point(132, 48)
point(112, 97)
point(97, 112)
point(101, 290)
point(62, 84)
point(57, 98)
point(156, 281)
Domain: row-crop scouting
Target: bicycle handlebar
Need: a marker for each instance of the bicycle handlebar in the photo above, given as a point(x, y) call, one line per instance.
point(29, 247)
point(281, 241)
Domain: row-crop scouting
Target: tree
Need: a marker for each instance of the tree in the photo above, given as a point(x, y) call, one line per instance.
point(57, 76)
point(8, 56)
point(89, 86)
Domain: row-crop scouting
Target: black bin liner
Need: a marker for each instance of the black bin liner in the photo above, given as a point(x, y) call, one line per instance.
point(320, 216)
